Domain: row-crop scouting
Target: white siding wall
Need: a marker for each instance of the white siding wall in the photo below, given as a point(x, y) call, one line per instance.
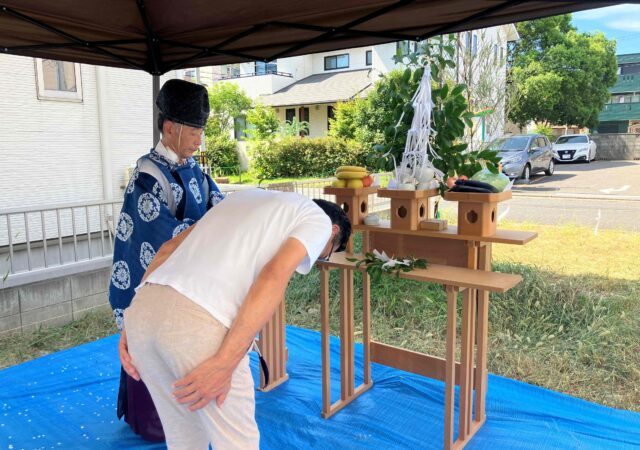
point(50, 150)
point(357, 60)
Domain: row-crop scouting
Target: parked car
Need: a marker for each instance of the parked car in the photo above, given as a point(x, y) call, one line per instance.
point(523, 155)
point(575, 147)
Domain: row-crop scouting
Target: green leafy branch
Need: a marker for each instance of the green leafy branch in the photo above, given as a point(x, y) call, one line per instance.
point(379, 263)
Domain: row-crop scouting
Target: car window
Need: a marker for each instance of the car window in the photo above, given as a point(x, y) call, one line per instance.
point(578, 139)
point(510, 144)
point(540, 142)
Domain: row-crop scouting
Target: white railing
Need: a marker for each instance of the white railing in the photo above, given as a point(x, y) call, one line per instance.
point(47, 238)
point(49, 241)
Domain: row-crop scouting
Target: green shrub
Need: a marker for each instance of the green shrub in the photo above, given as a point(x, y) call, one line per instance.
point(222, 154)
point(308, 157)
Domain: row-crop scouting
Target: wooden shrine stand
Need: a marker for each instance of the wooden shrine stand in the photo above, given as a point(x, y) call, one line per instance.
point(461, 263)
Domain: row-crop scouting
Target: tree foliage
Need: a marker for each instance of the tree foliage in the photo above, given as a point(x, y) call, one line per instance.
point(227, 101)
point(263, 122)
point(560, 76)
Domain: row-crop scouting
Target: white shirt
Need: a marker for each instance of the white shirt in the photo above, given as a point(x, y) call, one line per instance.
point(218, 262)
point(167, 152)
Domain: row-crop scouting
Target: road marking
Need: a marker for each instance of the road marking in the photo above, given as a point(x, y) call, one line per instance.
point(610, 190)
point(595, 231)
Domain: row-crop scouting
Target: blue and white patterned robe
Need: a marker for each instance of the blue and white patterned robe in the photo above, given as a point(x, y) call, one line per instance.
point(146, 222)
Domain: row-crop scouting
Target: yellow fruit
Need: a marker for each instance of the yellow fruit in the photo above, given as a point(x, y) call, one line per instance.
point(339, 183)
point(351, 169)
point(351, 175)
point(355, 184)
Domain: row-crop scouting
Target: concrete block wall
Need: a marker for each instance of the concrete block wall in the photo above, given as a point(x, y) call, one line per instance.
point(623, 146)
point(53, 302)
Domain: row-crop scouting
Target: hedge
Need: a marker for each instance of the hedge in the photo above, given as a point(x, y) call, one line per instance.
point(294, 157)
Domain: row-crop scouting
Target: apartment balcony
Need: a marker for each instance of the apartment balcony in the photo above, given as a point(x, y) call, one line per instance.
point(620, 111)
point(261, 82)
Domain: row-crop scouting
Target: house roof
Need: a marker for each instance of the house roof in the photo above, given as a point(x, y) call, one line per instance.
point(159, 36)
point(629, 58)
point(322, 88)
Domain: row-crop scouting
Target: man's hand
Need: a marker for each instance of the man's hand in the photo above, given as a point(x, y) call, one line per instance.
point(210, 380)
point(125, 357)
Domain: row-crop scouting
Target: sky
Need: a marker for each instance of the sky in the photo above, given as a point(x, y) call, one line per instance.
point(620, 22)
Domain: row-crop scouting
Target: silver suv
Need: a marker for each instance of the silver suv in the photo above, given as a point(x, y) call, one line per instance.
point(524, 154)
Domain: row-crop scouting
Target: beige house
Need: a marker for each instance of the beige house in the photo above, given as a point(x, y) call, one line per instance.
point(313, 98)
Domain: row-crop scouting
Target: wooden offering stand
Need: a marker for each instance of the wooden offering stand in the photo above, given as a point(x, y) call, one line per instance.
point(477, 213)
point(408, 208)
point(354, 202)
point(460, 260)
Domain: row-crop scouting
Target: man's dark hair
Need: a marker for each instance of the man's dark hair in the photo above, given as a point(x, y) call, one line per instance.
point(338, 217)
point(161, 119)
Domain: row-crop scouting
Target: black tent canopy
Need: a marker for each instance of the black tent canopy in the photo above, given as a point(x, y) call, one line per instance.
point(162, 35)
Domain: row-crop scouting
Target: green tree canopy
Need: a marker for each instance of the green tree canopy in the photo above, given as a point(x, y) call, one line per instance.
point(227, 102)
point(560, 76)
point(263, 122)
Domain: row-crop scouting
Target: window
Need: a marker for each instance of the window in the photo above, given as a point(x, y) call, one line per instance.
point(331, 114)
point(577, 139)
point(263, 68)
point(289, 114)
point(369, 57)
point(540, 143)
point(303, 116)
point(58, 80)
point(474, 45)
point(336, 62)
point(629, 69)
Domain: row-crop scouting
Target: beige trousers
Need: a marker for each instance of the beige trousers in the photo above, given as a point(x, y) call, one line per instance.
point(168, 336)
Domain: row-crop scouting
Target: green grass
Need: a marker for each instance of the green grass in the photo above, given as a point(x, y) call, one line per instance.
point(574, 334)
point(17, 348)
point(571, 325)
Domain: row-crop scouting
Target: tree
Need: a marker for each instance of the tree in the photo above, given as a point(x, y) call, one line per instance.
point(227, 102)
point(560, 76)
point(263, 122)
point(481, 66)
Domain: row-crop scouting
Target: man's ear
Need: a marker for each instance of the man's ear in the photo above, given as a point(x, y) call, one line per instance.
point(335, 229)
point(167, 127)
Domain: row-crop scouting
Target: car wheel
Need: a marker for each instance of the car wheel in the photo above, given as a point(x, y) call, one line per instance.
point(526, 173)
point(551, 168)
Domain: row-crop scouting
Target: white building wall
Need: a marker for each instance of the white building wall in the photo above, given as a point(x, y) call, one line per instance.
point(357, 60)
point(318, 120)
point(49, 149)
point(382, 58)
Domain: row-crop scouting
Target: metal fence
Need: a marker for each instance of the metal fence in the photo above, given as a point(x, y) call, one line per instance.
point(50, 237)
point(44, 240)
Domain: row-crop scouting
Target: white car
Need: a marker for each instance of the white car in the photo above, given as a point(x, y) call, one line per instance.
point(575, 147)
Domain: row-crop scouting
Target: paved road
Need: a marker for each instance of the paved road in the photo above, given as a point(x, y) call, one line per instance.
point(603, 194)
point(610, 179)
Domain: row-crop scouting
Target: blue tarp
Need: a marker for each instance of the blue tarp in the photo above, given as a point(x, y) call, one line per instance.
point(67, 400)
